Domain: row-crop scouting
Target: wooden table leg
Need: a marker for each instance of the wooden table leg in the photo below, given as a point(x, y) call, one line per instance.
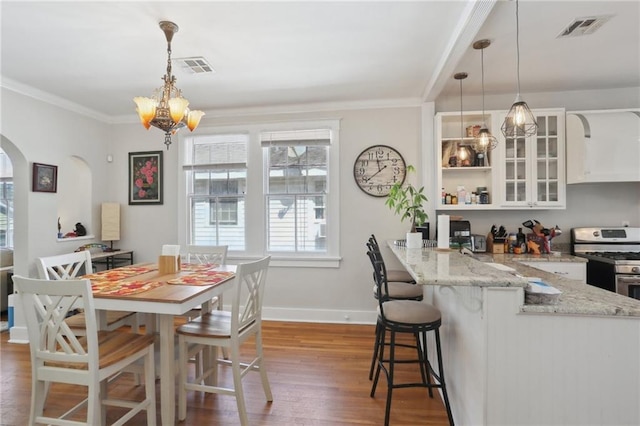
point(167, 371)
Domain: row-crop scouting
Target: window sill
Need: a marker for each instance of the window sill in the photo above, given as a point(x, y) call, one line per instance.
point(280, 261)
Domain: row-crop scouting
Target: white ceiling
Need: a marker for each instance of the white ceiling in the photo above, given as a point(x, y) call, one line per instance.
point(100, 55)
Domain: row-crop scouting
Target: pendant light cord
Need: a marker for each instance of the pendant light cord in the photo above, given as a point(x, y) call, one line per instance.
point(461, 125)
point(518, 47)
point(482, 69)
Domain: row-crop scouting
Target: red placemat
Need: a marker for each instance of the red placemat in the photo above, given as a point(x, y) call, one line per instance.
point(121, 288)
point(120, 273)
point(202, 278)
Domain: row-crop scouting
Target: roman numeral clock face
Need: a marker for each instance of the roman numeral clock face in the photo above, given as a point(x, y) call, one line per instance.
point(378, 168)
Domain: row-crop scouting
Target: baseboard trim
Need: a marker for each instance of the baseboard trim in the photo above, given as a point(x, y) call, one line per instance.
point(319, 315)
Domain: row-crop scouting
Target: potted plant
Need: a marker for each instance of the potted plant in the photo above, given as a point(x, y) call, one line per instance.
point(407, 201)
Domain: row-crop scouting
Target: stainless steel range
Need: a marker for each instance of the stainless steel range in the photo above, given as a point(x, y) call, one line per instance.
point(614, 257)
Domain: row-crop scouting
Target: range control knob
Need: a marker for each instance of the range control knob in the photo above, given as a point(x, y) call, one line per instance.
point(596, 233)
point(635, 269)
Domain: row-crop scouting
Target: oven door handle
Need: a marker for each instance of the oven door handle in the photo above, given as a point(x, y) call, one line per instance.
point(635, 279)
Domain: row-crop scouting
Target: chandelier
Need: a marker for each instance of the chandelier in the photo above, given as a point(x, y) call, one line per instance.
point(167, 109)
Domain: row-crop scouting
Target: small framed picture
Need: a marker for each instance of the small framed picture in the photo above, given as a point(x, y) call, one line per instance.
point(145, 177)
point(45, 178)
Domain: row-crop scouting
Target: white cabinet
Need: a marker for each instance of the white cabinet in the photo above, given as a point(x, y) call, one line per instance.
point(455, 170)
point(531, 170)
point(571, 270)
point(520, 173)
point(603, 146)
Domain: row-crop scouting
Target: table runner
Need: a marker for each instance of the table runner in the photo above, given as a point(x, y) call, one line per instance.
point(122, 288)
point(195, 267)
point(120, 273)
point(202, 278)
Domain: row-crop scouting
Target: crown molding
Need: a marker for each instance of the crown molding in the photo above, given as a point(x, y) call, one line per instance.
point(296, 108)
point(46, 97)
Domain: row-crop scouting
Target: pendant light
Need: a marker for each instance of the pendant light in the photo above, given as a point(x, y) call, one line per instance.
point(519, 122)
point(485, 141)
point(462, 152)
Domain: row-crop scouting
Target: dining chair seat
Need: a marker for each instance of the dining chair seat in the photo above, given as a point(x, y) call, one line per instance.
point(113, 319)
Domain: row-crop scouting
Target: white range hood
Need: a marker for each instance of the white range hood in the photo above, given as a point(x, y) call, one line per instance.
point(603, 146)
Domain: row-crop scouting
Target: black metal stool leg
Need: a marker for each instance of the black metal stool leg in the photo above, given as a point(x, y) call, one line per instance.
point(379, 361)
point(445, 396)
point(392, 356)
point(376, 347)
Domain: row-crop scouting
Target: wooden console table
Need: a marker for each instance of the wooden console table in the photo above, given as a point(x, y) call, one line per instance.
point(112, 259)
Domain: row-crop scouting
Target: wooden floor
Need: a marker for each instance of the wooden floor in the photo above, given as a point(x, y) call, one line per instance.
point(318, 375)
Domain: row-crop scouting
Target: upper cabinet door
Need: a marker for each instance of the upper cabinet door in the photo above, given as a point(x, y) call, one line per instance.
point(532, 170)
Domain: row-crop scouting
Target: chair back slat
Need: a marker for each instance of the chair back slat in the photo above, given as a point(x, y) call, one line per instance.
point(251, 278)
point(379, 278)
point(207, 254)
point(45, 308)
point(65, 266)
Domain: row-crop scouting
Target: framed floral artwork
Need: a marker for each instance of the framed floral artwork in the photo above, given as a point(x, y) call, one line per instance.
point(45, 178)
point(145, 177)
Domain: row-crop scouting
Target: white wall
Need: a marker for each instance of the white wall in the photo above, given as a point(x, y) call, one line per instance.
point(43, 133)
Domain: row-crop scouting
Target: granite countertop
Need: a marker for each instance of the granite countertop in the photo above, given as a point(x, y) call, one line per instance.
point(448, 267)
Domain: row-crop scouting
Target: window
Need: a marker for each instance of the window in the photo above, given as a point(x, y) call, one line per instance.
point(264, 189)
point(296, 179)
point(6, 200)
point(216, 170)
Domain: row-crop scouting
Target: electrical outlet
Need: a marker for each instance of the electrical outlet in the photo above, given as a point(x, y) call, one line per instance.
point(625, 223)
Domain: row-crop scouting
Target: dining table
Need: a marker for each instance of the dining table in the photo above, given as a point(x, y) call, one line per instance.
point(143, 288)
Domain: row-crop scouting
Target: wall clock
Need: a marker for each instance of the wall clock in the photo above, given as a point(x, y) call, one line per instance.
point(378, 168)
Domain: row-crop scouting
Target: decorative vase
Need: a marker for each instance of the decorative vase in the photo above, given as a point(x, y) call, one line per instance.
point(414, 239)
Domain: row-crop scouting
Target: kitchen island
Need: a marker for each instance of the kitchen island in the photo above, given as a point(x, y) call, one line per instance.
point(576, 362)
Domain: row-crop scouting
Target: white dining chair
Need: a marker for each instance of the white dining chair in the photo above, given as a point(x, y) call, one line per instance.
point(60, 355)
point(72, 265)
point(201, 255)
point(228, 329)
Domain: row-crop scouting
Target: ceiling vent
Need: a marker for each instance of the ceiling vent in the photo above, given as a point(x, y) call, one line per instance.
point(584, 26)
point(194, 65)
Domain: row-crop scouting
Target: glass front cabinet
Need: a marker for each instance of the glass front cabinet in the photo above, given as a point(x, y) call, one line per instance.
point(532, 169)
point(520, 173)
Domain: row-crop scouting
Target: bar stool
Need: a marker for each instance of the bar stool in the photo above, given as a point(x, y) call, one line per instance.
point(394, 275)
point(393, 291)
point(406, 317)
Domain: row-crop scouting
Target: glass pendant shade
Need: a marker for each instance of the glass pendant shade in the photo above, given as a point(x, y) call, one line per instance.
point(167, 110)
point(193, 119)
point(520, 121)
point(484, 141)
point(177, 107)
